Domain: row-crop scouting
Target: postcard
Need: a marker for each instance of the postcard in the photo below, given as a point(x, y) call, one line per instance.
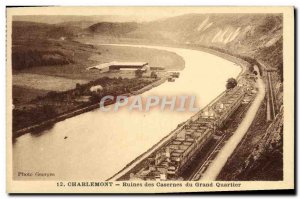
point(150, 99)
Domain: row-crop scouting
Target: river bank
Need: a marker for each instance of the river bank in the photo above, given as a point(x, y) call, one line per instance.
point(48, 123)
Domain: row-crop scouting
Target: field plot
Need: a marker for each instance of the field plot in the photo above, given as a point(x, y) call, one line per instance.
point(45, 82)
point(22, 94)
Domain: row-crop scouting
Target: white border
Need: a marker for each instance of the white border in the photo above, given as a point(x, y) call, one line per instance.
point(5, 3)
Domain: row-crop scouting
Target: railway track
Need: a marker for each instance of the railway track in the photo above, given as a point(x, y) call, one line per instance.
point(198, 173)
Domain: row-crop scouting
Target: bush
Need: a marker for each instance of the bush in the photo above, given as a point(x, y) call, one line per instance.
point(139, 73)
point(153, 75)
point(231, 83)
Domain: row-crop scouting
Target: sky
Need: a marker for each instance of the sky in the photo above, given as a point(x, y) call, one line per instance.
point(138, 14)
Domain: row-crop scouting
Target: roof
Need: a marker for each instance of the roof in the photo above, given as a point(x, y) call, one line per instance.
point(115, 63)
point(100, 66)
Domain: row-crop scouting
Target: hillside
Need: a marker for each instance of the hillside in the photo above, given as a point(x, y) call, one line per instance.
point(255, 36)
point(34, 30)
point(218, 28)
point(258, 36)
point(113, 29)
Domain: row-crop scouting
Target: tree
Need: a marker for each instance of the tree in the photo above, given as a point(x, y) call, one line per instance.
point(153, 75)
point(231, 83)
point(138, 73)
point(52, 94)
point(251, 68)
point(78, 85)
point(48, 111)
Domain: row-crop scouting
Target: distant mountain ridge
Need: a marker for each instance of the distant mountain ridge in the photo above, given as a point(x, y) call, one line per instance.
point(113, 29)
point(55, 19)
point(205, 29)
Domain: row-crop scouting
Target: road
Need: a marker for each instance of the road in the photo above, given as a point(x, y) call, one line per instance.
point(272, 110)
point(218, 163)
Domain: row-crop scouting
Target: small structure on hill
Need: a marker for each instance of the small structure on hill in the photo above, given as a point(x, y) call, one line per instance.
point(97, 88)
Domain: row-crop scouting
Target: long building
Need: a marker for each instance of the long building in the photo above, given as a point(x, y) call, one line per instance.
point(168, 162)
point(105, 67)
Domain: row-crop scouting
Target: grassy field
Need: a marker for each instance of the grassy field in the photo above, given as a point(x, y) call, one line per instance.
point(22, 94)
point(45, 82)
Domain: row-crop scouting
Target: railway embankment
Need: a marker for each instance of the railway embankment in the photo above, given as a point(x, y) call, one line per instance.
point(260, 154)
point(257, 129)
point(142, 161)
point(228, 149)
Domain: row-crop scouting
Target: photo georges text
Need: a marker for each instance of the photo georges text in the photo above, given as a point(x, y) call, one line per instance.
point(182, 103)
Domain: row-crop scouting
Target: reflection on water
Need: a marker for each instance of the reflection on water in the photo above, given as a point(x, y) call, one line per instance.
point(99, 144)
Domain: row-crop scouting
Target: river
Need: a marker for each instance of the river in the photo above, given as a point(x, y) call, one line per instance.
point(100, 144)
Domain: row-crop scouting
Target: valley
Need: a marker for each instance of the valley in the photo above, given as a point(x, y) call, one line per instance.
point(49, 65)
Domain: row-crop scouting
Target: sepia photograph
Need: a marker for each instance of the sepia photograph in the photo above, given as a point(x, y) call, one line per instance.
point(149, 99)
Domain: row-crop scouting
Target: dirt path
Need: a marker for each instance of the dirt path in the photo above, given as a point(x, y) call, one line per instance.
point(216, 166)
